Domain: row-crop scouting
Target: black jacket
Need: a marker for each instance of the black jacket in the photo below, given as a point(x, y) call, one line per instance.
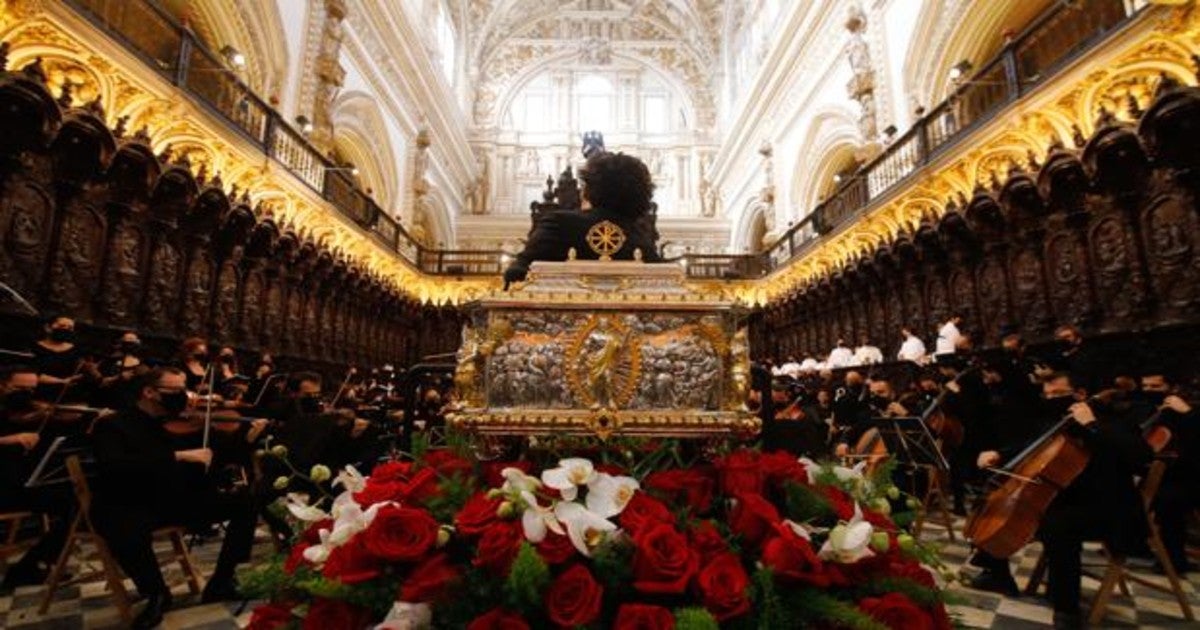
point(135, 461)
point(556, 233)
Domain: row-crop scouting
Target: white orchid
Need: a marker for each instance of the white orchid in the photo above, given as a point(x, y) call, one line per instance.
point(297, 504)
point(608, 495)
point(516, 481)
point(350, 479)
point(799, 529)
point(585, 528)
point(351, 520)
point(570, 474)
point(407, 616)
point(536, 520)
point(849, 542)
point(319, 553)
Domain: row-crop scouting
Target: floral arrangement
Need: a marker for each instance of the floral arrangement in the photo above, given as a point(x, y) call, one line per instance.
point(746, 539)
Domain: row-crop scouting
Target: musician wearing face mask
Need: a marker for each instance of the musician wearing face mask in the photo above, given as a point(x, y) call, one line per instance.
point(1101, 503)
point(851, 414)
point(1177, 423)
point(193, 360)
point(62, 368)
point(19, 439)
point(792, 429)
point(119, 371)
point(144, 482)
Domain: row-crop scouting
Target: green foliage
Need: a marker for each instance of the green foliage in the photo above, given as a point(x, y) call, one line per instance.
point(695, 619)
point(527, 580)
point(771, 611)
point(919, 594)
point(612, 564)
point(263, 581)
point(419, 446)
point(454, 492)
point(803, 504)
point(812, 605)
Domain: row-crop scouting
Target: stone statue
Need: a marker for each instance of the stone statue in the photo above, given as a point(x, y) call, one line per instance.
point(709, 198)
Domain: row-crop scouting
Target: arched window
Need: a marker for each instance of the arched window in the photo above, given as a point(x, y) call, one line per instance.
point(594, 104)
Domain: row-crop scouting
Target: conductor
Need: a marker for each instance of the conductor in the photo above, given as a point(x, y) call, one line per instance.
point(609, 224)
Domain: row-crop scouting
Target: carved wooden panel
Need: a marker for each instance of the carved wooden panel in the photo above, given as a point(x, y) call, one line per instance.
point(26, 224)
point(75, 266)
point(122, 282)
point(1172, 233)
point(162, 287)
point(197, 290)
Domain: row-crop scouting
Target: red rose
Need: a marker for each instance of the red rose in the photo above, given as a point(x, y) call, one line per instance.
point(493, 471)
point(477, 514)
point(351, 563)
point(897, 611)
point(707, 540)
point(391, 471)
point(574, 597)
point(643, 617)
point(723, 585)
point(420, 486)
point(662, 560)
point(842, 503)
point(693, 486)
point(324, 614)
point(447, 464)
point(740, 473)
point(913, 571)
point(555, 549)
point(271, 616)
point(643, 510)
point(782, 466)
point(753, 518)
point(295, 558)
point(498, 546)
point(498, 619)
point(792, 559)
point(429, 580)
point(615, 470)
point(401, 534)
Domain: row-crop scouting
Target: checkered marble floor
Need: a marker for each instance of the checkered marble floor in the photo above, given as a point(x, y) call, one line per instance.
point(86, 606)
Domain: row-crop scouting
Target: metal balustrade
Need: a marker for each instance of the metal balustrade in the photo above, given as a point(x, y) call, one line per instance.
point(1053, 40)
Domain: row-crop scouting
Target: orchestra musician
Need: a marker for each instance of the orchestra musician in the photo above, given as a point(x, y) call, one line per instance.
point(145, 481)
point(793, 430)
point(62, 367)
point(193, 360)
point(117, 388)
point(20, 417)
point(1179, 494)
point(851, 413)
point(1101, 503)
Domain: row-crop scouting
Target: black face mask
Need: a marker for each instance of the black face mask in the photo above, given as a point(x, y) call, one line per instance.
point(18, 399)
point(880, 402)
point(130, 347)
point(200, 356)
point(1057, 407)
point(225, 358)
point(62, 335)
point(1154, 398)
point(310, 404)
point(173, 402)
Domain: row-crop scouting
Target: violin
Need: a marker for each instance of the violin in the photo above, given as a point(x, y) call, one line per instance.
point(1010, 516)
point(1158, 436)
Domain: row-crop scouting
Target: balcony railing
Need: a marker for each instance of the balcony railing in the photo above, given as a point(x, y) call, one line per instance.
point(1053, 40)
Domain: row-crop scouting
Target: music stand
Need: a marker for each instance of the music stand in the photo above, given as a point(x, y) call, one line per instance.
point(910, 442)
point(52, 468)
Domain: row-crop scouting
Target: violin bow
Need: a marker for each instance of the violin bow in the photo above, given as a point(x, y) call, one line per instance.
point(346, 381)
point(62, 393)
point(211, 375)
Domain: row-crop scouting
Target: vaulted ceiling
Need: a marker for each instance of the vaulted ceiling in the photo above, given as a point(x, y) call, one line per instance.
point(508, 39)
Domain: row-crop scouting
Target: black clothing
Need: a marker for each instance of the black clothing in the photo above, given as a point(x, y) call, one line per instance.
point(56, 501)
point(1179, 494)
point(555, 233)
point(141, 487)
point(59, 364)
point(802, 436)
point(1102, 503)
point(851, 415)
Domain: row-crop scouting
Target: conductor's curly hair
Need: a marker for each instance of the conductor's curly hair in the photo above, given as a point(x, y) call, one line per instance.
point(619, 183)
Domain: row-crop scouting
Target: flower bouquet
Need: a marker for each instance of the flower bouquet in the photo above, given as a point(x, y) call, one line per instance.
point(747, 539)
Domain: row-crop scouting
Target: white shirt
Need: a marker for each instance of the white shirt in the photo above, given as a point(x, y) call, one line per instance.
point(947, 340)
point(809, 365)
point(840, 357)
point(791, 368)
point(866, 355)
point(913, 349)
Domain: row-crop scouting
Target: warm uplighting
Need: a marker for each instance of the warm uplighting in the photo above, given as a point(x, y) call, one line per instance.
point(234, 57)
point(306, 126)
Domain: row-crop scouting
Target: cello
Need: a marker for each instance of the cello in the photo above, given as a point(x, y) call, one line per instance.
point(1010, 516)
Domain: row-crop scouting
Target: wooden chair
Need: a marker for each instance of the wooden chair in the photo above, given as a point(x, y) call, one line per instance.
point(82, 530)
point(1115, 574)
point(935, 498)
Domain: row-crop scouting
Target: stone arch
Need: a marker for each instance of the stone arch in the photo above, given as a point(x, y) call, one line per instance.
point(830, 145)
point(361, 136)
point(950, 31)
point(63, 65)
point(752, 227)
point(253, 27)
point(1139, 78)
point(994, 164)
